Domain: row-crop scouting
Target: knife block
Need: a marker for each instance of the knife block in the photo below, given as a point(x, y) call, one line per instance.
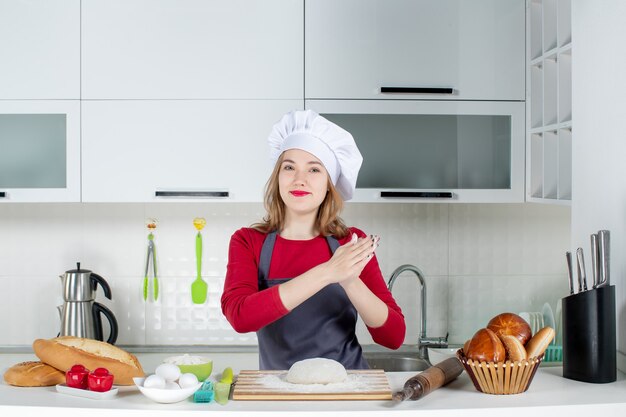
point(589, 341)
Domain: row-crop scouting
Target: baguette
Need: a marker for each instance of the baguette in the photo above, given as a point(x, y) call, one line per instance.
point(33, 374)
point(66, 351)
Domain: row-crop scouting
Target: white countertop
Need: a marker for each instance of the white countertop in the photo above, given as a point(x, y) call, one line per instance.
point(549, 394)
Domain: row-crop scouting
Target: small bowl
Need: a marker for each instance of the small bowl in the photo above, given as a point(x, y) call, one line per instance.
point(436, 355)
point(166, 396)
point(502, 377)
point(202, 371)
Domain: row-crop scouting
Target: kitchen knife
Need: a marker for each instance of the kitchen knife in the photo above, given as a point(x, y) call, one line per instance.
point(570, 271)
point(582, 276)
point(604, 257)
point(595, 265)
point(434, 377)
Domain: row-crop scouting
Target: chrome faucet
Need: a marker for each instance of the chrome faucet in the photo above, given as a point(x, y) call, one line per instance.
point(423, 342)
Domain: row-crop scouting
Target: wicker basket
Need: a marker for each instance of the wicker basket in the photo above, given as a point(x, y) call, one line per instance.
point(502, 377)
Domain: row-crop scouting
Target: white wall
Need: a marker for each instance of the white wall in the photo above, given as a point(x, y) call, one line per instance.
point(599, 138)
point(479, 260)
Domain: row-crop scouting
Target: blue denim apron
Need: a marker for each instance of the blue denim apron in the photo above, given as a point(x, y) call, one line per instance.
point(322, 326)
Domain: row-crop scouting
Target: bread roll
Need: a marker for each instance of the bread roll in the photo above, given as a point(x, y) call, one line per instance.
point(66, 351)
point(514, 349)
point(539, 342)
point(510, 324)
point(33, 374)
point(466, 346)
point(485, 346)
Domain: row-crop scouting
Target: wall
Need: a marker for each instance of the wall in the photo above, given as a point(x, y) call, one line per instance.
point(599, 176)
point(479, 260)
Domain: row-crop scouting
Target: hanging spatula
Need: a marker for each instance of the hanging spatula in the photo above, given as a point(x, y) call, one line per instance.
point(198, 286)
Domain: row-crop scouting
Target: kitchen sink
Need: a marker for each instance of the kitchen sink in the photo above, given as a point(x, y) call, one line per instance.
point(395, 362)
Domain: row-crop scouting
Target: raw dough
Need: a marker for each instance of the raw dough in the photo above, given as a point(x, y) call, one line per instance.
point(316, 371)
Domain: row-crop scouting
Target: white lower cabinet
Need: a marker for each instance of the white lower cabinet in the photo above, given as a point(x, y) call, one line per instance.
point(178, 150)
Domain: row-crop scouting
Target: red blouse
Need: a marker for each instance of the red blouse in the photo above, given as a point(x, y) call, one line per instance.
point(247, 309)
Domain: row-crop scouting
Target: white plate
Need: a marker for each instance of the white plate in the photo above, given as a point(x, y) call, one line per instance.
point(548, 316)
point(166, 396)
point(526, 316)
point(558, 339)
point(64, 389)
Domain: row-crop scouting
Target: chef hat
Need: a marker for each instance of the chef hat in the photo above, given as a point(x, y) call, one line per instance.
point(332, 145)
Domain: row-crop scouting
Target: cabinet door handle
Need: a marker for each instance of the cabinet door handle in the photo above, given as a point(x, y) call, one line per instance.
point(416, 194)
point(418, 90)
point(192, 194)
point(3, 194)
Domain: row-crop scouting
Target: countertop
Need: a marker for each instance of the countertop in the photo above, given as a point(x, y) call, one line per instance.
point(549, 394)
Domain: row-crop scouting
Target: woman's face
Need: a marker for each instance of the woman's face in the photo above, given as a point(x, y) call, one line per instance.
point(302, 181)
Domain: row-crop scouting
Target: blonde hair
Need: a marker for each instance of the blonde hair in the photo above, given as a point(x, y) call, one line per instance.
point(327, 220)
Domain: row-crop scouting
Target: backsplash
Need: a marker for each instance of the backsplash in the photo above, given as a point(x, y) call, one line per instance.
point(479, 260)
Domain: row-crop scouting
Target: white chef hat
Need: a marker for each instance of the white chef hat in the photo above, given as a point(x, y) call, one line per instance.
point(332, 145)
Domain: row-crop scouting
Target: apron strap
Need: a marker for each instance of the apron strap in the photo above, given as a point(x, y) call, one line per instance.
point(266, 256)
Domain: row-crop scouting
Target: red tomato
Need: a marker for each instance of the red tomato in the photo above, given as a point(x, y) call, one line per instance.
point(76, 377)
point(100, 380)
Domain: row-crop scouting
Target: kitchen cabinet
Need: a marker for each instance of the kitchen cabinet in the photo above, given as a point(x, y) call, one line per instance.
point(40, 150)
point(549, 102)
point(434, 151)
point(178, 149)
point(197, 49)
point(355, 48)
point(40, 49)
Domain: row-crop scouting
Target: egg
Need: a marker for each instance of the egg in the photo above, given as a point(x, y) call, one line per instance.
point(154, 381)
point(172, 385)
point(168, 372)
point(187, 380)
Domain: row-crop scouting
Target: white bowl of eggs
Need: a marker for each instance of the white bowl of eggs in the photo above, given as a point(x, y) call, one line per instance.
point(168, 384)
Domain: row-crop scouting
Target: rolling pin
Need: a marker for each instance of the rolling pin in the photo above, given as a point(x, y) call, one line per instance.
point(434, 377)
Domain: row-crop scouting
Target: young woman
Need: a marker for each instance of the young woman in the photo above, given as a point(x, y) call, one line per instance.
point(301, 277)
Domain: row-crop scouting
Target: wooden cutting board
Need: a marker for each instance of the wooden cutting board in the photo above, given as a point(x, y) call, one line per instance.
point(369, 384)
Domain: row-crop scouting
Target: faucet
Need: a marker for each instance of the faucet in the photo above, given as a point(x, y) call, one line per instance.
point(423, 342)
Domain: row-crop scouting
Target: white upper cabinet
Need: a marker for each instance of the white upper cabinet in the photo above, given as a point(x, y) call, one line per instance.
point(39, 151)
point(177, 150)
point(196, 49)
point(355, 48)
point(39, 49)
point(434, 150)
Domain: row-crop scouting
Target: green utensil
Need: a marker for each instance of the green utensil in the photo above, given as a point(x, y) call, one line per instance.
point(198, 286)
point(151, 224)
point(148, 256)
point(155, 280)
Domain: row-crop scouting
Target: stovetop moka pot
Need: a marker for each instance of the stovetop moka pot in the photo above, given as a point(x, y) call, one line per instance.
point(80, 313)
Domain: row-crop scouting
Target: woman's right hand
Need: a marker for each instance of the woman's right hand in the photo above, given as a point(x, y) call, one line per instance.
point(349, 260)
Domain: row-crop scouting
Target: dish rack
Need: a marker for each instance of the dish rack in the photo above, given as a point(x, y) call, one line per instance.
point(554, 353)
